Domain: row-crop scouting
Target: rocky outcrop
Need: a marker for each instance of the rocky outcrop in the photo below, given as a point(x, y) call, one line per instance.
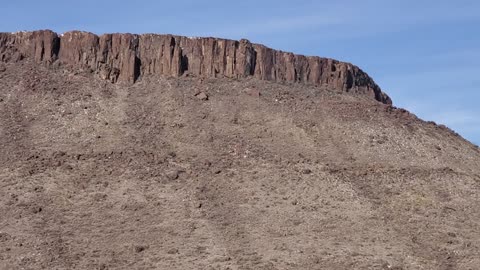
point(125, 57)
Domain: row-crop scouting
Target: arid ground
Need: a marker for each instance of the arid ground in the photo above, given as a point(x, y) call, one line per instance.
point(196, 173)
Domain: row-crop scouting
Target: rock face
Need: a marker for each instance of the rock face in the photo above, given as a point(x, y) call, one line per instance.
point(124, 57)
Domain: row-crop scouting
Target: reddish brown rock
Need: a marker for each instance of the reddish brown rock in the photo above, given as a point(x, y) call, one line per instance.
point(112, 55)
point(252, 92)
point(125, 57)
point(202, 96)
point(159, 54)
point(42, 46)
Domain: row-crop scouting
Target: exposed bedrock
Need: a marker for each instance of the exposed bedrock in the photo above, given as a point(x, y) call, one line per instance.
point(125, 57)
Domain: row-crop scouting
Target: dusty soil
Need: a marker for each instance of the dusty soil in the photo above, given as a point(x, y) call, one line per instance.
point(191, 173)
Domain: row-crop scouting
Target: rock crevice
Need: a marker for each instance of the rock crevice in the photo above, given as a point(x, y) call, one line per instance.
point(125, 57)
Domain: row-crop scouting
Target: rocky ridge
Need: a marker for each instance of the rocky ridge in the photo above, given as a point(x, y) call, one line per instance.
point(125, 57)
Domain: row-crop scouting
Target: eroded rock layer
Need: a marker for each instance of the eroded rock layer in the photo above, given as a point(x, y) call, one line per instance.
point(125, 57)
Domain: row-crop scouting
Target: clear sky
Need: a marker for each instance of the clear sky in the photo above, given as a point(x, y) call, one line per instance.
point(424, 53)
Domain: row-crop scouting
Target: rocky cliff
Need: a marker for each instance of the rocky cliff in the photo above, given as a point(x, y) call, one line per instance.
point(125, 57)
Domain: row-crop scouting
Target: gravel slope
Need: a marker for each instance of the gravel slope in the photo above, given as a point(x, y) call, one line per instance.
point(253, 175)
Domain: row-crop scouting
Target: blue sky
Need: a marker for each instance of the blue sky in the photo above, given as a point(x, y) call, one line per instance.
point(424, 54)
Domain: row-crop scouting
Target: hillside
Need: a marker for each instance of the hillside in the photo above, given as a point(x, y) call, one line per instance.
point(111, 163)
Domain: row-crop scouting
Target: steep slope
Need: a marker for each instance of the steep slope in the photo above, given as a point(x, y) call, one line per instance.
point(195, 172)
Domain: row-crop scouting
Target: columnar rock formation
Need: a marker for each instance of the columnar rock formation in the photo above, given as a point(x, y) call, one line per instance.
point(125, 57)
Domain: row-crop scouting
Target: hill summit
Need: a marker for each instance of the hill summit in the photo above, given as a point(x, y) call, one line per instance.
point(125, 57)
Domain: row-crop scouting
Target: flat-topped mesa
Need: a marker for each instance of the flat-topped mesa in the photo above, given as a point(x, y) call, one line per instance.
point(124, 57)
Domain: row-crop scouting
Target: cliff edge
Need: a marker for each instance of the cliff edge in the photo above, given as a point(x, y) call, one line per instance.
point(125, 57)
